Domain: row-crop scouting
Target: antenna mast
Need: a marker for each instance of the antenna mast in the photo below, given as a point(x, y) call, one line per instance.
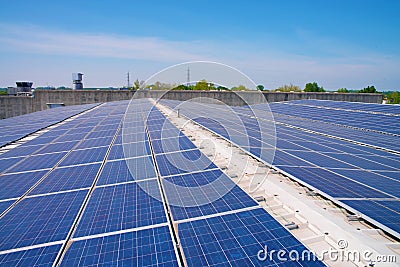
point(188, 77)
point(127, 76)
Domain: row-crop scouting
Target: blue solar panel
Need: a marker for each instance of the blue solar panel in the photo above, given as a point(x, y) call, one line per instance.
point(282, 158)
point(75, 136)
point(41, 140)
point(7, 163)
point(366, 107)
point(393, 162)
point(207, 193)
point(321, 160)
point(385, 212)
point(392, 205)
point(392, 175)
point(374, 180)
point(338, 168)
point(183, 162)
point(57, 147)
point(333, 184)
point(85, 156)
point(172, 144)
point(21, 126)
point(236, 239)
point(95, 142)
point(342, 117)
point(150, 247)
point(40, 220)
point(15, 185)
point(38, 162)
point(367, 164)
point(20, 151)
point(121, 207)
point(118, 171)
point(106, 126)
point(96, 134)
point(130, 150)
point(61, 179)
point(5, 204)
point(164, 133)
point(43, 256)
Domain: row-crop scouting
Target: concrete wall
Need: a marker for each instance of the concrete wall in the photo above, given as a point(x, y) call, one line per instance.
point(13, 106)
point(238, 98)
point(350, 97)
point(77, 97)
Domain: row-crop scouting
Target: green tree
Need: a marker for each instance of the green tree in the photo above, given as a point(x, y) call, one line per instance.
point(182, 87)
point(161, 86)
point(240, 88)
point(260, 87)
point(313, 87)
point(368, 89)
point(394, 97)
point(204, 86)
point(222, 88)
point(288, 88)
point(201, 85)
point(342, 90)
point(137, 84)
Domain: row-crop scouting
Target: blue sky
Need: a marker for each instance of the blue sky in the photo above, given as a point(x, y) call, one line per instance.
point(336, 43)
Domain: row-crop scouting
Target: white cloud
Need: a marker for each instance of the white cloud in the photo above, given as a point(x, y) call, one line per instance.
point(38, 40)
point(266, 63)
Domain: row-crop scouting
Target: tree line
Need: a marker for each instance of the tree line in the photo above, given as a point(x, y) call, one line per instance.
point(392, 97)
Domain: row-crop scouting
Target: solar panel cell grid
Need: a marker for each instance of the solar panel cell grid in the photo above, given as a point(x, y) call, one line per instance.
point(5, 204)
point(387, 215)
point(85, 156)
point(38, 162)
point(135, 169)
point(95, 142)
point(15, 185)
point(333, 184)
point(130, 150)
point(26, 124)
point(183, 162)
point(57, 147)
point(122, 207)
point(151, 247)
point(21, 151)
point(61, 179)
point(7, 163)
point(172, 144)
point(204, 193)
point(40, 220)
point(339, 156)
point(41, 257)
point(236, 239)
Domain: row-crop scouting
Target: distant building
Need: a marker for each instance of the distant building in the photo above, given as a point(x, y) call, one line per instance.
point(77, 81)
point(23, 88)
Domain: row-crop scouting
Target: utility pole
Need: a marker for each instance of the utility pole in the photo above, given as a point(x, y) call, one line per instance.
point(188, 77)
point(127, 76)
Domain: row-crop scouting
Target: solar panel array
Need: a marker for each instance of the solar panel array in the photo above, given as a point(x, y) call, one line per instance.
point(357, 172)
point(18, 127)
point(90, 192)
point(352, 106)
point(62, 187)
point(180, 164)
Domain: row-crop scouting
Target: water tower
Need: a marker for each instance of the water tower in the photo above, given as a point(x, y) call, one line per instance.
point(77, 81)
